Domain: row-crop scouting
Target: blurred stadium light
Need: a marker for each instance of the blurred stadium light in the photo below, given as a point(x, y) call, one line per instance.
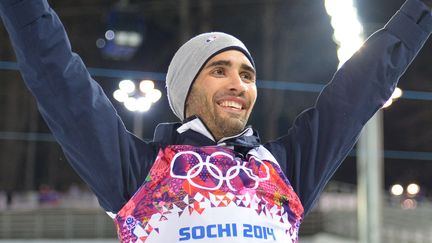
point(397, 190)
point(348, 31)
point(137, 99)
point(125, 33)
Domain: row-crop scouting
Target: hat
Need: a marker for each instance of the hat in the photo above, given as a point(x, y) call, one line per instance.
point(188, 61)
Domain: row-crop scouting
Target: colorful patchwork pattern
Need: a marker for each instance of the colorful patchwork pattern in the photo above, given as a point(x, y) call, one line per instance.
point(190, 180)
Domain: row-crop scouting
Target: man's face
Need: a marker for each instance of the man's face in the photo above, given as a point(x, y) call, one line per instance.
point(224, 94)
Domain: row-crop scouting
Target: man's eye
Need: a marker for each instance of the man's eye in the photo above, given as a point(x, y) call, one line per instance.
point(247, 77)
point(218, 71)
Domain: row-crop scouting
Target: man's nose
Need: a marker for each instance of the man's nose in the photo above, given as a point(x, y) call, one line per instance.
point(236, 83)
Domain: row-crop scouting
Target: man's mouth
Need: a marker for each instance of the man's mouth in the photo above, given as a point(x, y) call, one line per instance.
point(231, 105)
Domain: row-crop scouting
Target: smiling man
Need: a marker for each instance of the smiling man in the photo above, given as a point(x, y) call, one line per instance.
point(224, 94)
point(207, 178)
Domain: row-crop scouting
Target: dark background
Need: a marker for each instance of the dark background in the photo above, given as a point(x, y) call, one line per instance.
point(290, 40)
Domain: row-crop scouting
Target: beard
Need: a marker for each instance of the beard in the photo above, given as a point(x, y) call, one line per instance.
point(220, 124)
point(229, 126)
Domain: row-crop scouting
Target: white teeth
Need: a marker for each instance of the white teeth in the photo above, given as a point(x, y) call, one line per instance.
point(231, 104)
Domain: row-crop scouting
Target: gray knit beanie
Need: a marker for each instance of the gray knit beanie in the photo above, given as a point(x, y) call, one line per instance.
point(190, 59)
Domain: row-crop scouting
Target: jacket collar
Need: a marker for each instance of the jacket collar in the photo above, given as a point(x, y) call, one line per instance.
point(194, 132)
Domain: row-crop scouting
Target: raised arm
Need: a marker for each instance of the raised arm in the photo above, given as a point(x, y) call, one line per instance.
point(74, 106)
point(322, 136)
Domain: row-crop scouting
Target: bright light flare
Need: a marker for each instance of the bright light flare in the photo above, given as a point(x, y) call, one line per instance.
point(135, 39)
point(333, 7)
point(397, 190)
point(121, 38)
point(155, 95)
point(144, 104)
point(131, 104)
point(137, 100)
point(146, 86)
point(348, 31)
point(120, 95)
point(397, 93)
point(388, 103)
point(128, 38)
point(413, 189)
point(109, 35)
point(345, 52)
point(127, 86)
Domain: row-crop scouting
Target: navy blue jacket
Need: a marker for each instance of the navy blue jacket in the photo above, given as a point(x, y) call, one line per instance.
point(114, 163)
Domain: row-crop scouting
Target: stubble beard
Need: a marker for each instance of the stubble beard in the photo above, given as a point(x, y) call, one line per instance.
point(221, 124)
point(228, 125)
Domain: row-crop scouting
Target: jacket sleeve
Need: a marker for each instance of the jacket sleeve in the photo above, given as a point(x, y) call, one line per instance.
point(321, 137)
point(109, 159)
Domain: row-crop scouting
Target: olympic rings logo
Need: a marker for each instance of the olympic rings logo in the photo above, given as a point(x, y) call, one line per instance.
point(213, 170)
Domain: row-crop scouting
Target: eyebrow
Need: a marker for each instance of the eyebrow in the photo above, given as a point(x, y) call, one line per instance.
point(229, 64)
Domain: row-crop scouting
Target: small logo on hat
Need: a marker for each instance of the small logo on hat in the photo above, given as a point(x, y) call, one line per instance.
point(211, 38)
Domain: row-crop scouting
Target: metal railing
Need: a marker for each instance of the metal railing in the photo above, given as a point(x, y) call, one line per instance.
point(56, 223)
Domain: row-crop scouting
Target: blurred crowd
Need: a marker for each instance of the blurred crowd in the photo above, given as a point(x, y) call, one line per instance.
point(47, 196)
